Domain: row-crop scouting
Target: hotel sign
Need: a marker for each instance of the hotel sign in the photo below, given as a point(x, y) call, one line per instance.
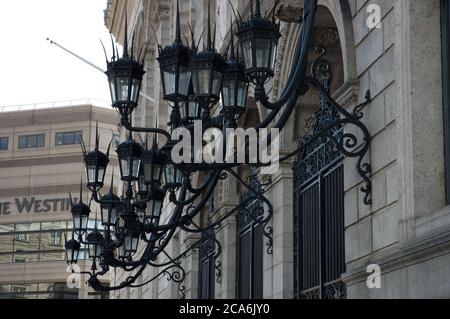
point(34, 205)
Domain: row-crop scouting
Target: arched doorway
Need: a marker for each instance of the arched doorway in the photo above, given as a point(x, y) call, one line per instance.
point(319, 233)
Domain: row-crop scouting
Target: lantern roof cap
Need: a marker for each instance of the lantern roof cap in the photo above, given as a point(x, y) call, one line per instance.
point(94, 237)
point(79, 208)
point(72, 244)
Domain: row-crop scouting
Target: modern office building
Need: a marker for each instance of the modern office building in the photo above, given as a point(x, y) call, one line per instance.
point(399, 50)
point(40, 164)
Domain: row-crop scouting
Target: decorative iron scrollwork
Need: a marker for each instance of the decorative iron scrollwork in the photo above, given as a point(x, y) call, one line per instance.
point(331, 128)
point(252, 210)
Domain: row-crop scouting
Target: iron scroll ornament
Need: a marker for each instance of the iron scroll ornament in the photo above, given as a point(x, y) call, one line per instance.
point(190, 200)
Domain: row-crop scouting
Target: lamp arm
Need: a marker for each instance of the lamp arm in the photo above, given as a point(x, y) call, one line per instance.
point(125, 122)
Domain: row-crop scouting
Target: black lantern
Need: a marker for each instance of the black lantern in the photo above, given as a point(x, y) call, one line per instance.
point(173, 177)
point(95, 244)
point(109, 207)
point(80, 213)
point(208, 67)
point(130, 158)
point(258, 38)
point(235, 86)
point(175, 70)
point(190, 110)
point(131, 242)
point(125, 76)
point(153, 165)
point(95, 164)
point(72, 251)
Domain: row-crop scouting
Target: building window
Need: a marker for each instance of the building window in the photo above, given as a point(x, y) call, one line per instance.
point(445, 22)
point(32, 141)
point(21, 237)
point(4, 141)
point(68, 138)
point(56, 239)
point(22, 243)
point(42, 291)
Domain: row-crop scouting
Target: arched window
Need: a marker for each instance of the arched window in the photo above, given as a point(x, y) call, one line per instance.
point(319, 232)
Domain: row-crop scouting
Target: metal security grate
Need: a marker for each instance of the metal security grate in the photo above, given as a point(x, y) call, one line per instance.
point(319, 242)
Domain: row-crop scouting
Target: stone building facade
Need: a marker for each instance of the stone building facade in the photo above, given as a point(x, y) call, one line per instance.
point(392, 48)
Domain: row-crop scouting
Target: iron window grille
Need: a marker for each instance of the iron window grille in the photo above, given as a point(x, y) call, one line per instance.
point(319, 247)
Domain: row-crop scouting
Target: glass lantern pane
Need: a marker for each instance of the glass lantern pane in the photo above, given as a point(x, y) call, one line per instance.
point(193, 109)
point(90, 174)
point(184, 81)
point(101, 174)
point(105, 215)
point(229, 93)
point(202, 82)
point(262, 48)
point(242, 94)
point(125, 166)
point(147, 172)
point(113, 216)
point(112, 90)
point(123, 85)
point(273, 55)
point(77, 222)
point(169, 174)
point(135, 90)
point(84, 222)
point(169, 80)
point(157, 204)
point(217, 83)
point(183, 110)
point(136, 167)
point(157, 172)
point(248, 56)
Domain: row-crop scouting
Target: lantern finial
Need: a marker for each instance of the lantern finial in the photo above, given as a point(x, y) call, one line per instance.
point(97, 137)
point(125, 41)
point(258, 8)
point(231, 55)
point(81, 190)
point(209, 44)
point(178, 26)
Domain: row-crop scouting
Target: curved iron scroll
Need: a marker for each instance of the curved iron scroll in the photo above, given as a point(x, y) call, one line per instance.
point(252, 209)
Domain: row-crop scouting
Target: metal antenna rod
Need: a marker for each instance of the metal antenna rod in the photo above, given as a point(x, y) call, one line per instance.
point(152, 100)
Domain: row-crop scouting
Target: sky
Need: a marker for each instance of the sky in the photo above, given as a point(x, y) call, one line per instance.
point(33, 71)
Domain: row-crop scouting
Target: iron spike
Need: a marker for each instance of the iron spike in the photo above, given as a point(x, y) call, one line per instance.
point(178, 25)
point(125, 42)
point(209, 45)
point(258, 8)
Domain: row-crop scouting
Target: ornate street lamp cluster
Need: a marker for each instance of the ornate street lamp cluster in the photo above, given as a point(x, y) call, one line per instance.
point(194, 82)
